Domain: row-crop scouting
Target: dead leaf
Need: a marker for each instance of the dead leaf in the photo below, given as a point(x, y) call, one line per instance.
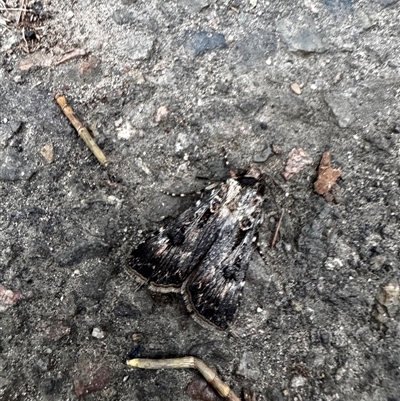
point(298, 159)
point(327, 176)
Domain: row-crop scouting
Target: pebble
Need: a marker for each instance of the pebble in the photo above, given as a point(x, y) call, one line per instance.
point(98, 333)
point(295, 87)
point(300, 34)
point(342, 109)
point(198, 43)
point(263, 155)
point(298, 381)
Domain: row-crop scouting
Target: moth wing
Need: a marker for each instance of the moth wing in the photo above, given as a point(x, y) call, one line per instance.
point(214, 289)
point(167, 259)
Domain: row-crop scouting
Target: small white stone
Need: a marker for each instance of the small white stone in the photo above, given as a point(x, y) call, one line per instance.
point(98, 333)
point(298, 381)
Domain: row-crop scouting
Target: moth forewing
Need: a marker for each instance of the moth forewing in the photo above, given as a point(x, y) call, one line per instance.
point(205, 252)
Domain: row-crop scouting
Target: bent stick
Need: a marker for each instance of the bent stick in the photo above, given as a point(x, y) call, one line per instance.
point(187, 362)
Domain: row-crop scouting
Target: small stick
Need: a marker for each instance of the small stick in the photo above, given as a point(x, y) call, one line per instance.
point(70, 55)
point(81, 129)
point(278, 227)
point(187, 362)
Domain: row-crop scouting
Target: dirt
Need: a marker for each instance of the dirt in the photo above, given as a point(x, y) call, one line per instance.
point(172, 91)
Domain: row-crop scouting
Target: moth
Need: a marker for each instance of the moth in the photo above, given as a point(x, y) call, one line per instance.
point(204, 253)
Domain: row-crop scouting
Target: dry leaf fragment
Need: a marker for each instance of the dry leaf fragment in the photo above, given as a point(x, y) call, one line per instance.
point(298, 159)
point(327, 176)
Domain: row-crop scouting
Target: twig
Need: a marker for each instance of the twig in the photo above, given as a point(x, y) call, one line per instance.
point(278, 227)
point(187, 362)
point(81, 129)
point(70, 55)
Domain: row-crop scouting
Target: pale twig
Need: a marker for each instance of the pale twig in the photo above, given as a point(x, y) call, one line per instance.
point(81, 129)
point(278, 227)
point(70, 55)
point(187, 362)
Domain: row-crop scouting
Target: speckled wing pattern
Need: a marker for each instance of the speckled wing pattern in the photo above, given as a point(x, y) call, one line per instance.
point(205, 252)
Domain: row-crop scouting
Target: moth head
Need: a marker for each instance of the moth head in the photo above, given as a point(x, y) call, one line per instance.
point(215, 204)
